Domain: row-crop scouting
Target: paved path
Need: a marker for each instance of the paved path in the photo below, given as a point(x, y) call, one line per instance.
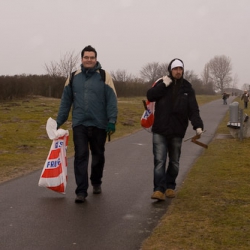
point(35, 218)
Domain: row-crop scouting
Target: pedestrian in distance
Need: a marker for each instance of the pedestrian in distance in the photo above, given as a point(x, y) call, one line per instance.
point(94, 113)
point(175, 105)
point(245, 98)
point(224, 97)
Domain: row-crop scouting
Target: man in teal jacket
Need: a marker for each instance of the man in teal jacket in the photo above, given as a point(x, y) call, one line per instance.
point(94, 114)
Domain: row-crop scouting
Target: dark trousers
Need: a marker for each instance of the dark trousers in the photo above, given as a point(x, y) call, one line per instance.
point(88, 139)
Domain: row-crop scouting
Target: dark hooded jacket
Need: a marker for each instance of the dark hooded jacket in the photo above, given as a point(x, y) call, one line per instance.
point(175, 105)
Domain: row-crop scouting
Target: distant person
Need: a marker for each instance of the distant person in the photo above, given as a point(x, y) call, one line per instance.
point(175, 105)
point(94, 113)
point(245, 98)
point(224, 97)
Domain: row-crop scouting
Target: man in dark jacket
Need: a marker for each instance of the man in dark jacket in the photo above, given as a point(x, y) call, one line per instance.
point(94, 114)
point(245, 98)
point(175, 105)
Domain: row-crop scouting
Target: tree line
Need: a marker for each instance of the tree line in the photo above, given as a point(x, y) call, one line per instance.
point(215, 77)
point(23, 86)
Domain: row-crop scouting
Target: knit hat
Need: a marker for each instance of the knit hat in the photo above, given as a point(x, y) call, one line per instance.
point(176, 63)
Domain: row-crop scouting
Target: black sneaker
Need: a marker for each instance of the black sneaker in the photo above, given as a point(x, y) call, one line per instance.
point(97, 189)
point(79, 198)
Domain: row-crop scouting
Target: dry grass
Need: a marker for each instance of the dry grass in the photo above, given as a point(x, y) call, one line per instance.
point(24, 143)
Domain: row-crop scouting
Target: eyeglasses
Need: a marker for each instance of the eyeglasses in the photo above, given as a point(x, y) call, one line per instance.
point(89, 57)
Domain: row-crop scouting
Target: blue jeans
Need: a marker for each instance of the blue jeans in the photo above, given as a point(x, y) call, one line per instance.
point(85, 139)
point(163, 146)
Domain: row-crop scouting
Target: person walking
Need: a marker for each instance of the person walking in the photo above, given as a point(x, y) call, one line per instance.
point(224, 97)
point(245, 98)
point(175, 105)
point(94, 113)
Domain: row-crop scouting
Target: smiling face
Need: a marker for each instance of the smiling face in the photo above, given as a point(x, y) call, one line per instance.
point(177, 72)
point(89, 59)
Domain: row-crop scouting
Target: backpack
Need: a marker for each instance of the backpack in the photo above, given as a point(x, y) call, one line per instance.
point(102, 73)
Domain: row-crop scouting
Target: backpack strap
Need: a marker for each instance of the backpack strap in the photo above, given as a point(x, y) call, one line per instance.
point(71, 82)
point(103, 74)
point(71, 78)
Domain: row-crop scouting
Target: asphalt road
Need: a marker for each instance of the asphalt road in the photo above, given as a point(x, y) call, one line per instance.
point(35, 218)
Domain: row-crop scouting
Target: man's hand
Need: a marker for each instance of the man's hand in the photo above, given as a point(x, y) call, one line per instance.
point(199, 131)
point(166, 80)
point(110, 128)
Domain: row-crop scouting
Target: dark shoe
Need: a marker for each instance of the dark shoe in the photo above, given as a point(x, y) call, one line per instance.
point(158, 196)
point(79, 198)
point(97, 189)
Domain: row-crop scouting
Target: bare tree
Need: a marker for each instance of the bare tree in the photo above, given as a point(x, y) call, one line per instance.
point(121, 76)
point(149, 72)
point(137, 80)
point(246, 87)
point(67, 63)
point(206, 75)
point(190, 76)
point(198, 86)
point(207, 81)
point(52, 69)
point(235, 81)
point(153, 71)
point(162, 69)
point(220, 69)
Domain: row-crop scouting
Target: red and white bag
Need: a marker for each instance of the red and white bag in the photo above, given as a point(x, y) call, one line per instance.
point(54, 173)
point(147, 118)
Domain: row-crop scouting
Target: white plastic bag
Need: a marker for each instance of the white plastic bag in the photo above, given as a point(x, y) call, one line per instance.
point(54, 173)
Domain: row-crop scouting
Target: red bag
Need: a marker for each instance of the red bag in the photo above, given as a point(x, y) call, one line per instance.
point(147, 118)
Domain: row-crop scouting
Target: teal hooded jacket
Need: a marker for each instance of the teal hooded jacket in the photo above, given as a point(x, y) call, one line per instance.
point(93, 101)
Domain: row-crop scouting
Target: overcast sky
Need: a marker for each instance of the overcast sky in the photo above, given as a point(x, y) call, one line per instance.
point(127, 34)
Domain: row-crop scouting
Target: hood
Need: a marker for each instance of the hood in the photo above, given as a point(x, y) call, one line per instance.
point(91, 71)
point(170, 66)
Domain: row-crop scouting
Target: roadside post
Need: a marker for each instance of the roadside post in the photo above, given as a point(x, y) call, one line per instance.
point(238, 122)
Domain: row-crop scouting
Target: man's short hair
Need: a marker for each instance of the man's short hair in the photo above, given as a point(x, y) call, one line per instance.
point(89, 48)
